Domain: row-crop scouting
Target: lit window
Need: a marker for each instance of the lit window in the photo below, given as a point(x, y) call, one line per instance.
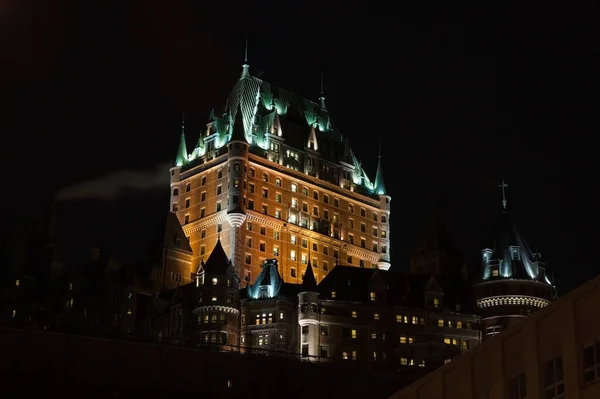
point(214, 299)
point(373, 296)
point(354, 314)
point(333, 294)
point(436, 302)
point(354, 333)
point(214, 281)
point(376, 316)
point(440, 322)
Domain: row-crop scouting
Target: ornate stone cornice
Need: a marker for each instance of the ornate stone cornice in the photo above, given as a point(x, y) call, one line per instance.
point(516, 300)
point(216, 308)
point(264, 220)
point(210, 220)
point(362, 253)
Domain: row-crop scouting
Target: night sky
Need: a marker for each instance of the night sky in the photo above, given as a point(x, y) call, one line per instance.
point(458, 99)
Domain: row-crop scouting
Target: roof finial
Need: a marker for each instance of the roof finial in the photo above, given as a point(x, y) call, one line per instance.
point(322, 98)
point(503, 186)
point(182, 122)
point(246, 67)
point(219, 236)
point(379, 153)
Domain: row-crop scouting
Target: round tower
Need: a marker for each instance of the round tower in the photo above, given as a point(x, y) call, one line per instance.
point(218, 302)
point(513, 282)
point(308, 316)
point(237, 158)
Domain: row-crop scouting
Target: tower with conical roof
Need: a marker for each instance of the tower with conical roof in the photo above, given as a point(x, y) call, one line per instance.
point(513, 282)
point(308, 315)
point(218, 308)
point(272, 171)
point(385, 199)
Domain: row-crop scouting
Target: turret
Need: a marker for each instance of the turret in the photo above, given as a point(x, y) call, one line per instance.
point(513, 282)
point(218, 307)
point(182, 155)
point(308, 315)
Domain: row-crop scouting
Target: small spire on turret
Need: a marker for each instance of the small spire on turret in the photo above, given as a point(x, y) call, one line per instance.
point(503, 186)
point(182, 155)
point(379, 186)
point(246, 67)
point(322, 98)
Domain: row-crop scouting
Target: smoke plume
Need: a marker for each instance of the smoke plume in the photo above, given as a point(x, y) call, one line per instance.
point(113, 185)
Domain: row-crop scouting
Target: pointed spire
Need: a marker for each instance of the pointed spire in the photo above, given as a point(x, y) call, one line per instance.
point(503, 186)
point(237, 131)
point(309, 282)
point(246, 67)
point(379, 186)
point(182, 154)
point(322, 98)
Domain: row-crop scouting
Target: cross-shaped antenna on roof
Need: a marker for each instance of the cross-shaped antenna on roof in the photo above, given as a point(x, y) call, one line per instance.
point(503, 186)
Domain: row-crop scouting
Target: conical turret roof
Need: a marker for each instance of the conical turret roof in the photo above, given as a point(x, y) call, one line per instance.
point(182, 154)
point(309, 283)
point(378, 185)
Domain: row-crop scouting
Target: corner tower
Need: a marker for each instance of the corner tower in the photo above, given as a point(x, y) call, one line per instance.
point(308, 315)
point(513, 282)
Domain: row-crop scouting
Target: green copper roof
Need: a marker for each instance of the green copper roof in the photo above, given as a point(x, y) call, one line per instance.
point(182, 154)
point(378, 186)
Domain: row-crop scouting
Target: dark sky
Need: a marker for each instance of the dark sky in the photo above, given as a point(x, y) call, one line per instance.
point(458, 98)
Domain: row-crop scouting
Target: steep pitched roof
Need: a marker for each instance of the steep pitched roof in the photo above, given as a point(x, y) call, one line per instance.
point(182, 154)
point(169, 235)
point(505, 239)
point(268, 277)
point(217, 262)
point(309, 283)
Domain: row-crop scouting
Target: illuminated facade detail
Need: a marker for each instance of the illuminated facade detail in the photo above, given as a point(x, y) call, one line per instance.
point(277, 161)
point(514, 281)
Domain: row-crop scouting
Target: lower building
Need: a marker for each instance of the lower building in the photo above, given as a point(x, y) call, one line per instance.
point(553, 354)
point(386, 319)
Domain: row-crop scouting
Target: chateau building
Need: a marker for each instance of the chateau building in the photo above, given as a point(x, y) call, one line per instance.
point(272, 177)
point(513, 282)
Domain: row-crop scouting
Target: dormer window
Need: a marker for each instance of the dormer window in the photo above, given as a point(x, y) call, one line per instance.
point(214, 281)
point(436, 302)
point(514, 253)
point(495, 271)
point(264, 292)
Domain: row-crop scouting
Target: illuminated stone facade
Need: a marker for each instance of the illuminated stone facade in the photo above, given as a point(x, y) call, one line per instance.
point(272, 177)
